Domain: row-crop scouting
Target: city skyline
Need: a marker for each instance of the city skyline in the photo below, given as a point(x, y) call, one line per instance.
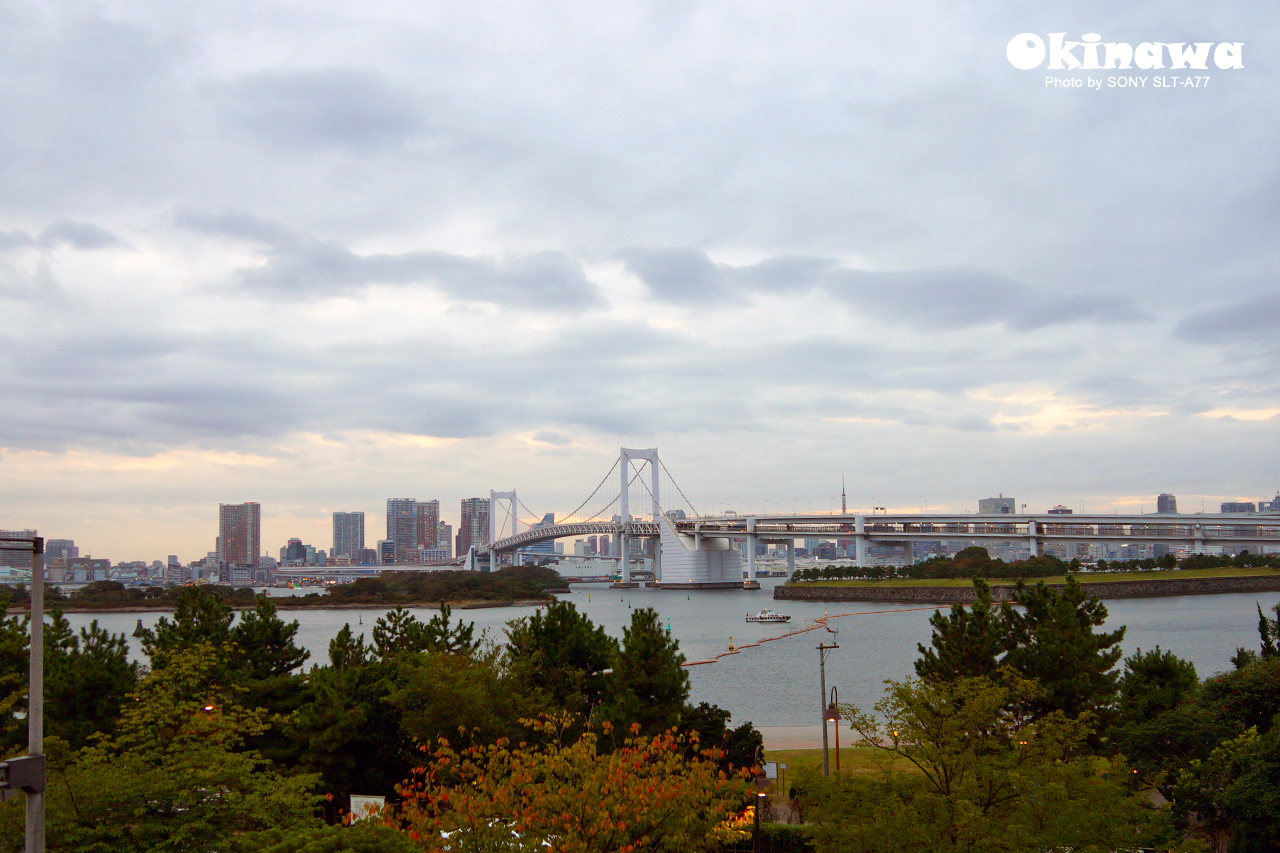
point(322, 259)
point(351, 523)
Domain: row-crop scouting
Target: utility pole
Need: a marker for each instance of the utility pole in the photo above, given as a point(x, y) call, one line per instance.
point(27, 773)
point(823, 649)
point(35, 701)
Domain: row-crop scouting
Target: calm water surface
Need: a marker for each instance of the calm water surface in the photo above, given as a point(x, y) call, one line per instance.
point(776, 685)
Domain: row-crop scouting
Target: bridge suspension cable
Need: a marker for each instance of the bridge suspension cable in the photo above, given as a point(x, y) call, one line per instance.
point(603, 480)
point(606, 507)
point(677, 485)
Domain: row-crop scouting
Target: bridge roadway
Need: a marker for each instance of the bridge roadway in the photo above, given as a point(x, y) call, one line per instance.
point(1185, 531)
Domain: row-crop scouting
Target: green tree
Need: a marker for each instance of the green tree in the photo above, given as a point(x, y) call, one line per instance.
point(711, 723)
point(199, 617)
point(1152, 683)
point(562, 654)
point(648, 685)
point(1051, 639)
point(1269, 631)
point(990, 776)
point(87, 677)
point(177, 776)
point(400, 631)
point(1248, 697)
point(967, 642)
point(364, 837)
point(266, 646)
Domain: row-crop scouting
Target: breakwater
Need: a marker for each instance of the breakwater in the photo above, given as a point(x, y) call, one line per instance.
point(966, 594)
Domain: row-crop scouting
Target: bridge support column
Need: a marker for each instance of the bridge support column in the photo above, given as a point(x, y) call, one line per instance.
point(1033, 538)
point(791, 558)
point(1197, 530)
point(624, 559)
point(751, 549)
point(860, 541)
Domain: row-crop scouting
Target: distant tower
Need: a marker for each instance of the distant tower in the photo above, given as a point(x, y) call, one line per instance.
point(1166, 504)
point(844, 507)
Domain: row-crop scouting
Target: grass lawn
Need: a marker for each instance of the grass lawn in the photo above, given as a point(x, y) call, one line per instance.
point(1083, 577)
point(854, 760)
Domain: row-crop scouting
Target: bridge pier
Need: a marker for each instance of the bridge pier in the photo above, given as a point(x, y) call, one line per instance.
point(657, 558)
point(860, 541)
point(791, 558)
point(1033, 538)
point(751, 549)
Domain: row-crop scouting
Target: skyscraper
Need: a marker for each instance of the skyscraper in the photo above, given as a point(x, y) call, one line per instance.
point(402, 526)
point(444, 539)
point(429, 524)
point(473, 528)
point(18, 556)
point(239, 534)
point(60, 548)
point(1166, 504)
point(997, 506)
point(348, 535)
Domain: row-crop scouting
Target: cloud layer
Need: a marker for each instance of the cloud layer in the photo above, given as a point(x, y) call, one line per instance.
point(309, 254)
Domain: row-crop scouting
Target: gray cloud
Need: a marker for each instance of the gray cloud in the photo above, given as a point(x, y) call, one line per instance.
point(943, 298)
point(305, 267)
point(80, 235)
point(303, 110)
point(14, 240)
point(1252, 318)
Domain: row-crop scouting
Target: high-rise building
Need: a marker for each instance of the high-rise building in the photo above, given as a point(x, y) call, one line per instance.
point(348, 535)
point(239, 534)
point(1060, 510)
point(386, 551)
point(18, 557)
point(402, 526)
point(997, 506)
point(444, 539)
point(1166, 504)
point(1271, 505)
point(428, 524)
point(473, 528)
point(1238, 506)
point(547, 547)
point(64, 549)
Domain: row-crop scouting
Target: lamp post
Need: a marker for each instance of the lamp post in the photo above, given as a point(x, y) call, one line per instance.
point(762, 788)
point(823, 648)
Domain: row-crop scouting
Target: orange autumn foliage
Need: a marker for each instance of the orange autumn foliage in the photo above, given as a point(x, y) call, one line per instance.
point(644, 796)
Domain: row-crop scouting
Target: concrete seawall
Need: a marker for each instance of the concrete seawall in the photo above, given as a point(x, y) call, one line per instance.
point(966, 594)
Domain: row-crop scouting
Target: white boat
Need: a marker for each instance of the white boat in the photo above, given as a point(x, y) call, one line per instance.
point(768, 616)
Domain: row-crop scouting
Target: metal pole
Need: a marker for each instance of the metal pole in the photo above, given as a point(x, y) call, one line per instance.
point(822, 676)
point(35, 696)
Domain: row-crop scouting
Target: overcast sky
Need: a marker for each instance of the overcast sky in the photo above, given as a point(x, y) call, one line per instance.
point(321, 254)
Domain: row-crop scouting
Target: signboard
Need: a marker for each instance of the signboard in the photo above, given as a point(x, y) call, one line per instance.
point(363, 806)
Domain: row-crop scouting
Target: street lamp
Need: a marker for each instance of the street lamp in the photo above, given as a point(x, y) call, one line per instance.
point(833, 713)
point(762, 788)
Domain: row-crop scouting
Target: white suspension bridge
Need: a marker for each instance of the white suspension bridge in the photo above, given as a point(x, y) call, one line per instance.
point(708, 551)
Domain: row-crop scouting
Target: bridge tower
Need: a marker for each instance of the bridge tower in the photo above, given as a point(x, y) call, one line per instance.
point(495, 527)
point(626, 455)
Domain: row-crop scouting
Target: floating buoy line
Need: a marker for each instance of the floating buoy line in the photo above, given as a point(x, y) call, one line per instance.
point(817, 623)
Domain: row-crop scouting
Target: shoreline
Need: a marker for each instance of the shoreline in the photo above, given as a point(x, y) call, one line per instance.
point(168, 607)
point(1153, 588)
